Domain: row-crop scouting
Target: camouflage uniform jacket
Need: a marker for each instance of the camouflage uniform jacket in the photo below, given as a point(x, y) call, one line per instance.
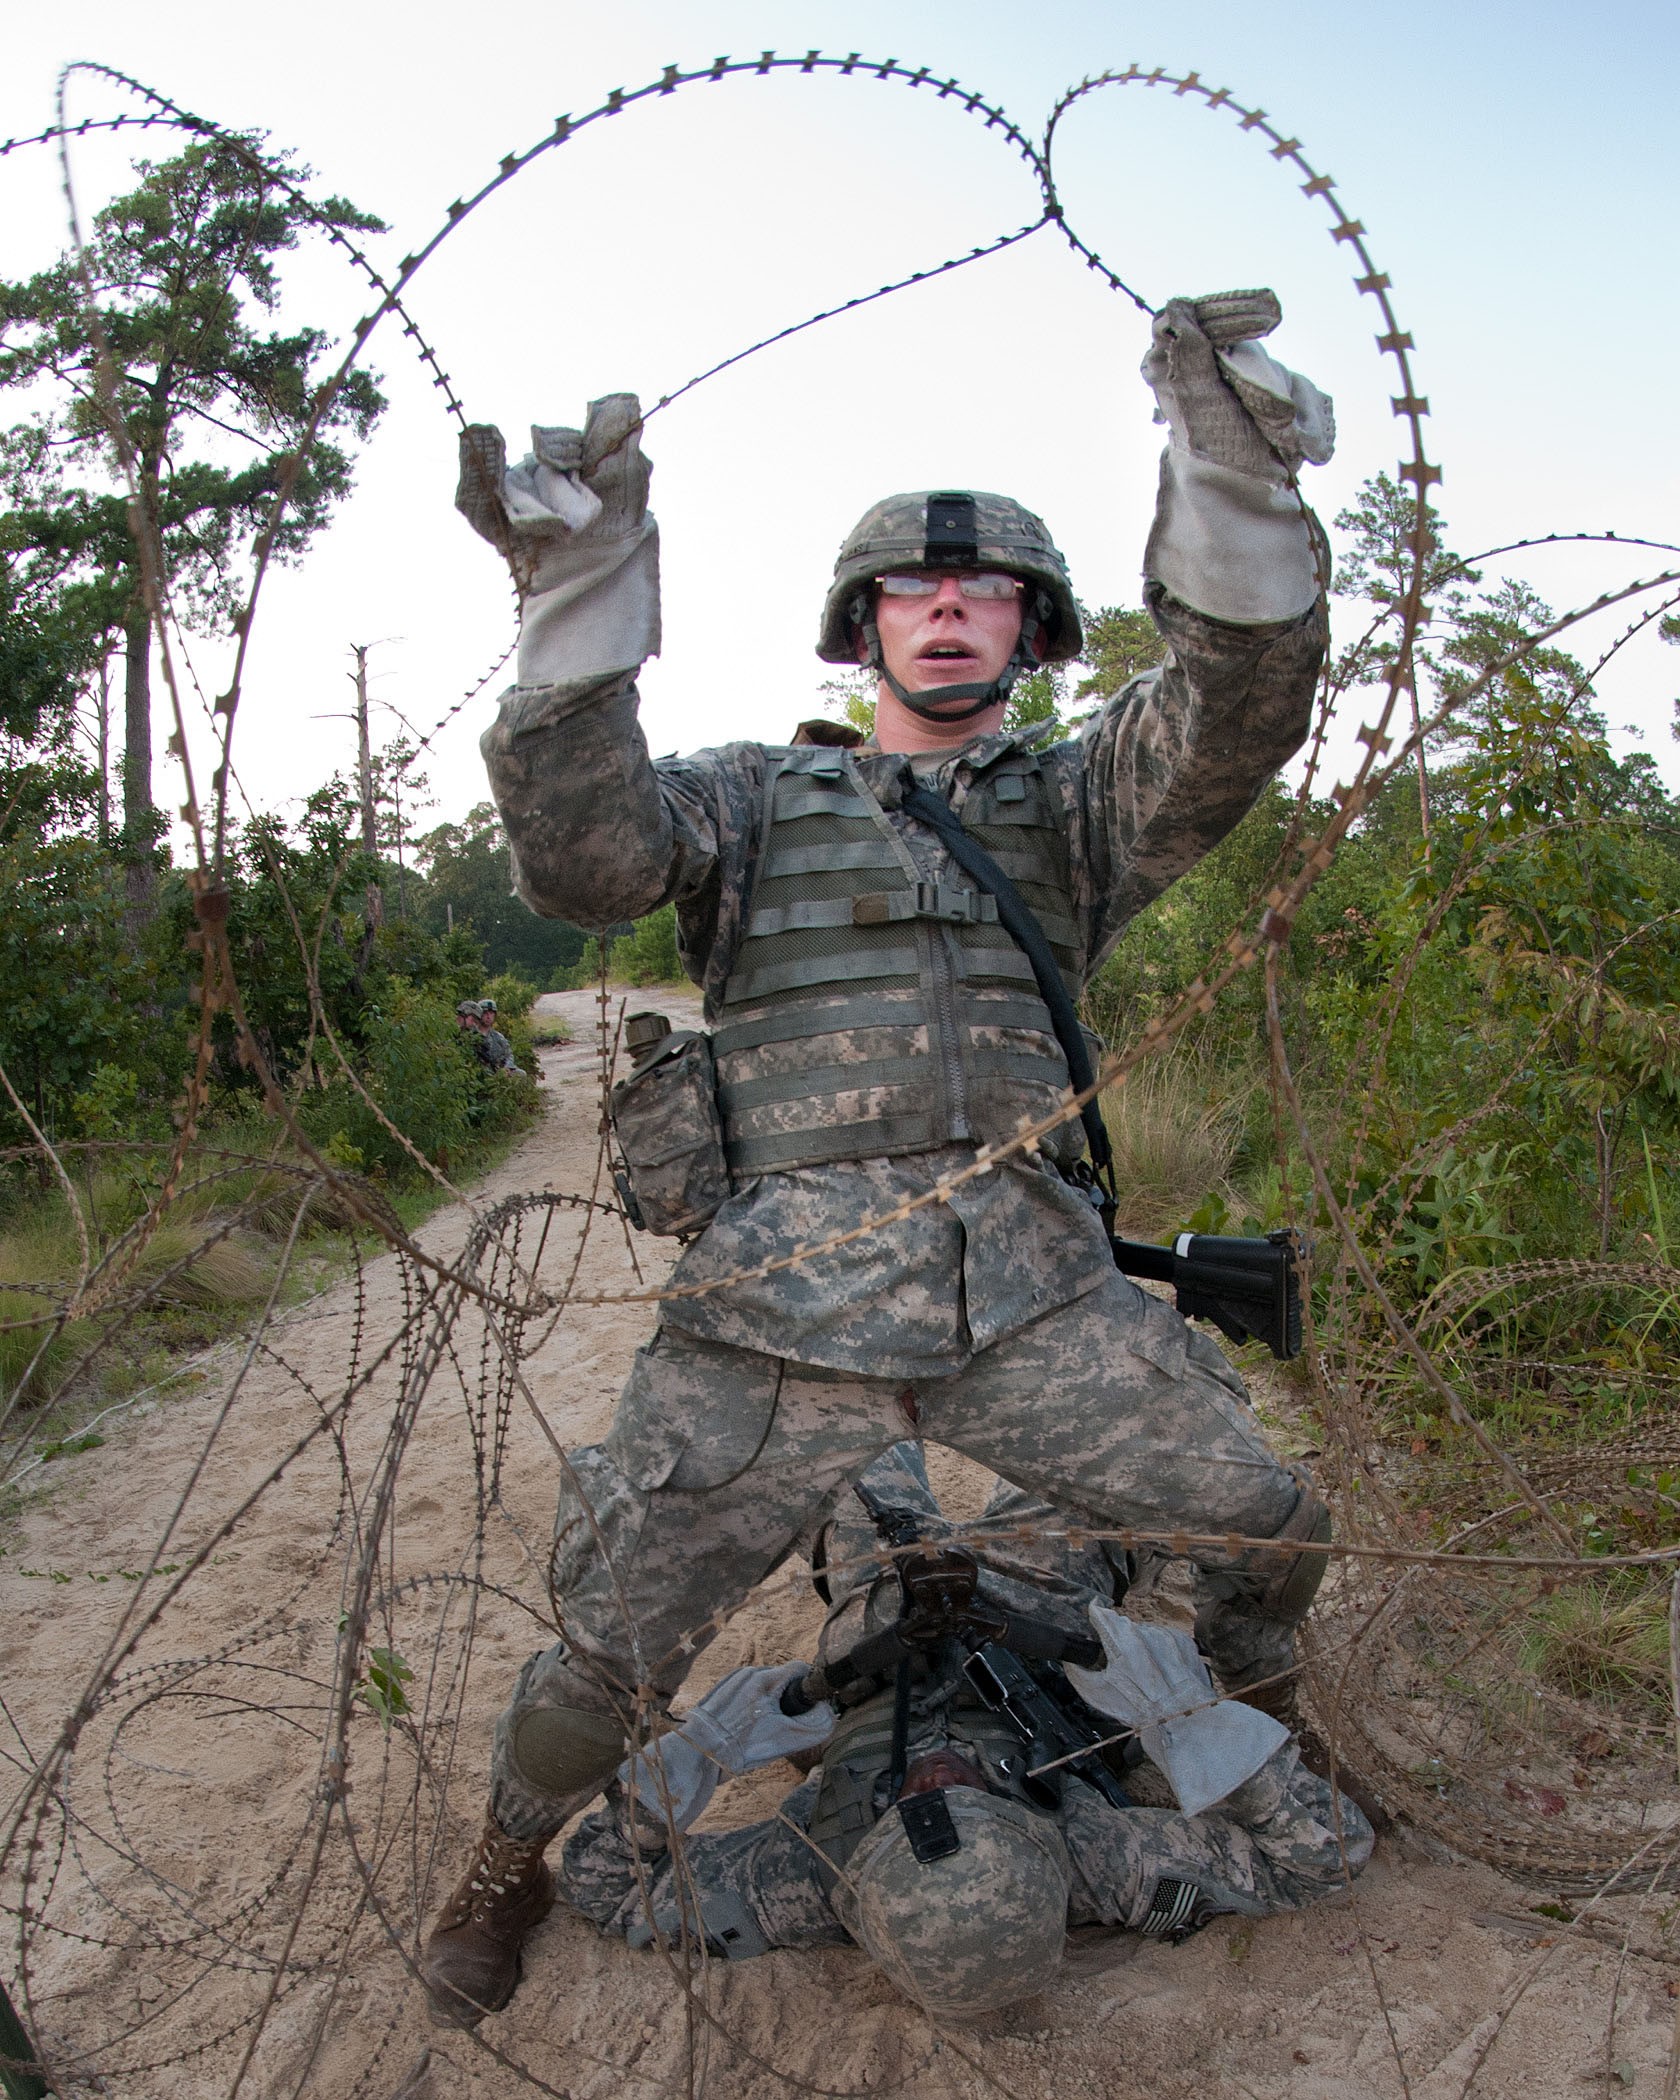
point(601, 834)
point(497, 1051)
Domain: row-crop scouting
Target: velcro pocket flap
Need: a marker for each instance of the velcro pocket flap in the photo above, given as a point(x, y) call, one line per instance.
point(693, 1415)
point(1160, 1336)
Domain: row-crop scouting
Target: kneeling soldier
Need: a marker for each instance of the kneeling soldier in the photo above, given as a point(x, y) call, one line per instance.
point(874, 1024)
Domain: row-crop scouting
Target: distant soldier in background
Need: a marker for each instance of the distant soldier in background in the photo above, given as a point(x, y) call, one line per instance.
point(495, 1049)
point(475, 1018)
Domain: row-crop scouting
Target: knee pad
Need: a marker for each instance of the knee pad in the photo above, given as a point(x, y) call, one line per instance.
point(566, 1749)
point(1290, 1581)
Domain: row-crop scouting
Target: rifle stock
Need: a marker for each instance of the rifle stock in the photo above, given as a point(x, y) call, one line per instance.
point(1249, 1288)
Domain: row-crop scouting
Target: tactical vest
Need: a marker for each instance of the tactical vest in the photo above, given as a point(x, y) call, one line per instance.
point(857, 1762)
point(871, 1013)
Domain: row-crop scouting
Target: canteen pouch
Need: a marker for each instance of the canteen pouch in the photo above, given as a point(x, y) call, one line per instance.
point(665, 1118)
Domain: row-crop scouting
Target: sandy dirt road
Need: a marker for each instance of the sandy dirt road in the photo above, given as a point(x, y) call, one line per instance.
point(186, 1881)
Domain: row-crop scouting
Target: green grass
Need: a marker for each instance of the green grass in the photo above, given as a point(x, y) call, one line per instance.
point(207, 1269)
point(1602, 1641)
point(1175, 1133)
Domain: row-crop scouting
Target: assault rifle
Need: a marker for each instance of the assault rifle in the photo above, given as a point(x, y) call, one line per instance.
point(939, 1600)
point(1249, 1288)
point(1012, 1662)
point(1055, 1725)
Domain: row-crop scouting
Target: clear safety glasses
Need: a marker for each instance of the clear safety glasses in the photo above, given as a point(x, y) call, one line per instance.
point(988, 584)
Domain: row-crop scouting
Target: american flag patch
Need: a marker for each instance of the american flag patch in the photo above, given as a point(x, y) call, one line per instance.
point(1175, 1911)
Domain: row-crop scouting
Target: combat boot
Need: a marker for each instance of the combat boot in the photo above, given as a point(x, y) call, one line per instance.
point(471, 1958)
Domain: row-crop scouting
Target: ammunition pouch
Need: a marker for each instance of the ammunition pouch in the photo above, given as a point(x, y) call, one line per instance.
point(727, 1924)
point(664, 1116)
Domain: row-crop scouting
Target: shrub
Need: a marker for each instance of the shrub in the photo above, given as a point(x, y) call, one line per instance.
point(422, 1075)
point(647, 954)
point(1598, 1640)
point(513, 993)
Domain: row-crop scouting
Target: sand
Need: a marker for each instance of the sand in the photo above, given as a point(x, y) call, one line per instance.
point(174, 1878)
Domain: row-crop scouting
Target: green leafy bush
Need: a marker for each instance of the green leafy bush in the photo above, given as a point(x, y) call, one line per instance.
point(420, 1073)
point(647, 954)
point(514, 994)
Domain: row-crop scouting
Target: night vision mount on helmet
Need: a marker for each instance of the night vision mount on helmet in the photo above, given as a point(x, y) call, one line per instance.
point(957, 530)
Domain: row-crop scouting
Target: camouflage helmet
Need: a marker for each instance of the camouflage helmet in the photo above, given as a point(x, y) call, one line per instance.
point(972, 1929)
point(949, 529)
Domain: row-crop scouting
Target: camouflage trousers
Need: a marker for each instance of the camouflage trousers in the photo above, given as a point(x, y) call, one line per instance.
point(720, 1461)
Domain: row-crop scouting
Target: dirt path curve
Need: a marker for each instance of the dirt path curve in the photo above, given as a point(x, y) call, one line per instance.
point(171, 1878)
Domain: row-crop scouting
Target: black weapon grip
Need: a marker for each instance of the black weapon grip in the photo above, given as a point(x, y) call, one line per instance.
point(798, 1697)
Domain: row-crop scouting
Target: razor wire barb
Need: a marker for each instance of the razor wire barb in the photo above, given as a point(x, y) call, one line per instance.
point(370, 1846)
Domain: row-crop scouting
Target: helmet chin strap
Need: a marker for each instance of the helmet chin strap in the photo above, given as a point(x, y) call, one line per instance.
point(979, 696)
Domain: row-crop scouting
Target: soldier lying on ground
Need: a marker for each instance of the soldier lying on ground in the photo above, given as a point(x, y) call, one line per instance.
point(873, 1026)
point(962, 1880)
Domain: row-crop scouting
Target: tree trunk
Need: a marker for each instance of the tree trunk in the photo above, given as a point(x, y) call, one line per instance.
point(1422, 767)
point(402, 872)
point(1606, 1149)
point(139, 814)
point(373, 898)
point(374, 908)
point(104, 740)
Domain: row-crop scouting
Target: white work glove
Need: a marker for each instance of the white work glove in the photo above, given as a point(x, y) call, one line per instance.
point(1155, 1682)
point(571, 519)
point(1230, 537)
point(737, 1727)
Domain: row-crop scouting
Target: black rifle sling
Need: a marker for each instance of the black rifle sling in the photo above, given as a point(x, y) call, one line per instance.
point(1015, 915)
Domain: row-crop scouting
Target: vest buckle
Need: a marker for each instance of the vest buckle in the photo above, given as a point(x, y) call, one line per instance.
point(929, 900)
point(952, 907)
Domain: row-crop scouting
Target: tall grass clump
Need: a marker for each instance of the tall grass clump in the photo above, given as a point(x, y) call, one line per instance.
point(1602, 1641)
point(1176, 1134)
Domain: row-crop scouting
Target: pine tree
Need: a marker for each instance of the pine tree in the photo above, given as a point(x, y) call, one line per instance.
point(213, 406)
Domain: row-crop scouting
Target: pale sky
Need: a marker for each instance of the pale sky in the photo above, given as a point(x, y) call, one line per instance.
point(1515, 166)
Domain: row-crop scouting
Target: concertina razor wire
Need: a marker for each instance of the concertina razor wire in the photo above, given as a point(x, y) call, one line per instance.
point(1410, 1673)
